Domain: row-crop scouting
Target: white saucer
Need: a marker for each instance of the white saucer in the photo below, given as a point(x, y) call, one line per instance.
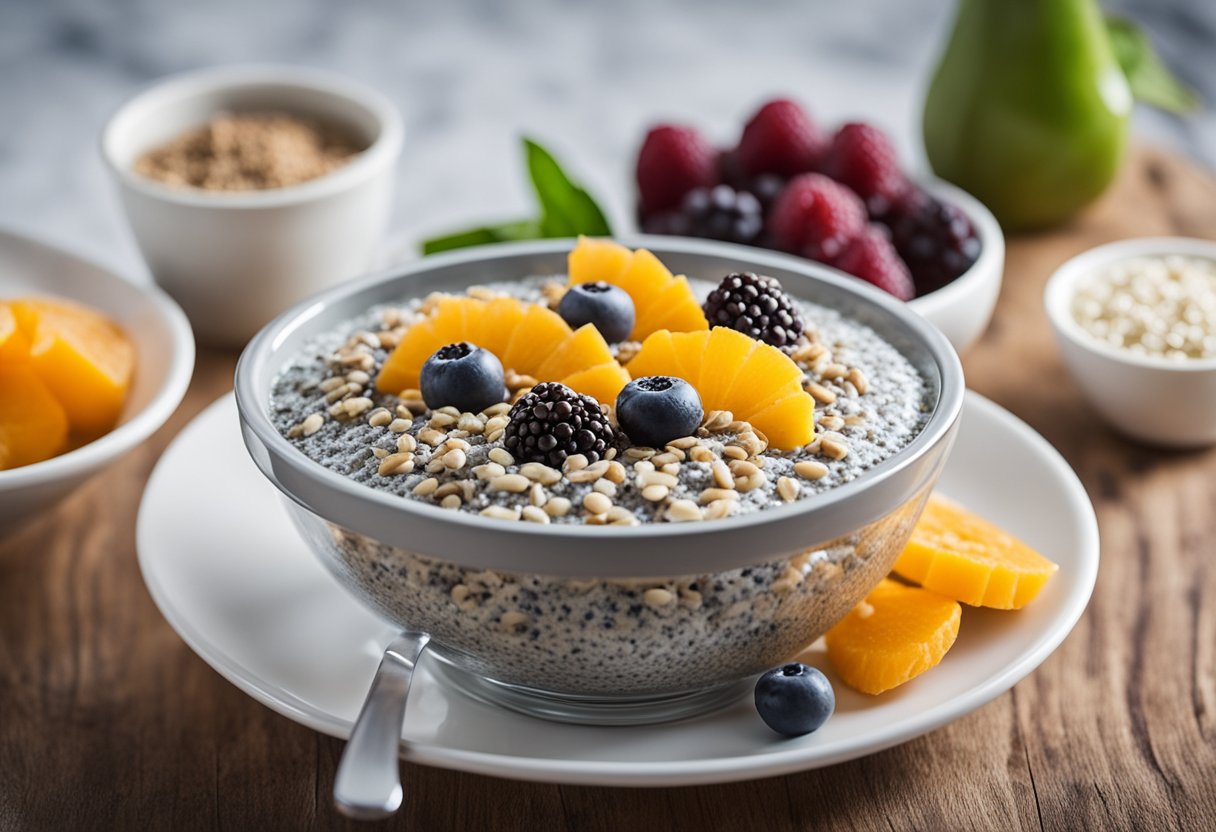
point(226, 569)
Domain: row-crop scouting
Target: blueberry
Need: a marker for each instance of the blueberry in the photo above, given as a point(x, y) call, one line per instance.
point(463, 376)
point(794, 699)
point(653, 410)
point(608, 308)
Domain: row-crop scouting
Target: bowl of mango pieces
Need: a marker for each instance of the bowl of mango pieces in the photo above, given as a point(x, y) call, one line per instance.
point(91, 365)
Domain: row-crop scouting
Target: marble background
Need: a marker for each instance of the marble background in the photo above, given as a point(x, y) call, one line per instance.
point(584, 77)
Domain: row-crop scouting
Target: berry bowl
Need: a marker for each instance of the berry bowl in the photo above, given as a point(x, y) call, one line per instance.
point(962, 308)
point(597, 623)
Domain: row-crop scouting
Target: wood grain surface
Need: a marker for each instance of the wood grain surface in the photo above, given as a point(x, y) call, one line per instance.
point(108, 721)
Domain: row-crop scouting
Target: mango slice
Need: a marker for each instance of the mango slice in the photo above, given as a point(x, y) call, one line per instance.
point(894, 635)
point(33, 425)
point(83, 358)
point(965, 557)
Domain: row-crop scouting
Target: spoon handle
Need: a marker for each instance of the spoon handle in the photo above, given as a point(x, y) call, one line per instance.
point(368, 785)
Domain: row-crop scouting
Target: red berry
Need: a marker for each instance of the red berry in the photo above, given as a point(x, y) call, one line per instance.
point(862, 157)
point(780, 139)
point(815, 217)
point(871, 257)
point(673, 160)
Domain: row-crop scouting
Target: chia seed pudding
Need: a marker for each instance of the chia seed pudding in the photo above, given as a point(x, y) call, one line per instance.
point(602, 637)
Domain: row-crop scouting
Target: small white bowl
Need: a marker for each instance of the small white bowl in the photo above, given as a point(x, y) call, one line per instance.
point(236, 259)
point(1157, 401)
point(962, 308)
point(164, 356)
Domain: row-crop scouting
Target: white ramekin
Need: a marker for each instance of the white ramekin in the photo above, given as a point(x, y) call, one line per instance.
point(1157, 401)
point(236, 259)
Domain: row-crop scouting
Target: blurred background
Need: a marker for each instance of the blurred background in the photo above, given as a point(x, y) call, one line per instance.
point(585, 78)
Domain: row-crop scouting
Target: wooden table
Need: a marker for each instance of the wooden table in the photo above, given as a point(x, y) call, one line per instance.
point(108, 721)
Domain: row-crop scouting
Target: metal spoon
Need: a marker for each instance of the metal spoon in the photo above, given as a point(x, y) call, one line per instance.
point(368, 785)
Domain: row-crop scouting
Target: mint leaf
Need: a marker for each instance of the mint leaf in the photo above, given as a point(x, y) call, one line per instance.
point(566, 209)
point(485, 235)
point(1149, 78)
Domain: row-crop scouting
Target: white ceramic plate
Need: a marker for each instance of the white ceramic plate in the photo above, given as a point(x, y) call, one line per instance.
point(227, 570)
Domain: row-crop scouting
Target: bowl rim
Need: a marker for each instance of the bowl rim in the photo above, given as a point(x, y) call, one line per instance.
point(270, 449)
point(142, 424)
point(992, 248)
point(383, 151)
point(1061, 287)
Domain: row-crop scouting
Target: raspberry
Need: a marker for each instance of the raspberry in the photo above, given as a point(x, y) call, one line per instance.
point(815, 217)
point(780, 139)
point(719, 213)
point(862, 157)
point(673, 161)
point(936, 240)
point(552, 422)
point(755, 305)
point(871, 257)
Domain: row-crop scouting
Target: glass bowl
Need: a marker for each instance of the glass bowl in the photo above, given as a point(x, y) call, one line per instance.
point(606, 624)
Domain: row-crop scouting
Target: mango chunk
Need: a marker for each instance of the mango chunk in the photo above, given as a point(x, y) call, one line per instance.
point(894, 635)
point(33, 425)
point(965, 557)
point(14, 346)
point(83, 358)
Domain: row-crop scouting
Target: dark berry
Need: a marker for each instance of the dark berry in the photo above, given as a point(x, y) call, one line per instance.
point(935, 239)
point(863, 158)
point(608, 308)
point(755, 305)
point(653, 410)
point(780, 138)
point(718, 213)
point(462, 376)
point(671, 162)
point(794, 699)
point(815, 217)
point(871, 257)
point(552, 422)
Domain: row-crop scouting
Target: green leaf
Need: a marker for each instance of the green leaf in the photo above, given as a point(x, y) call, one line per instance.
point(1149, 78)
point(566, 209)
point(485, 235)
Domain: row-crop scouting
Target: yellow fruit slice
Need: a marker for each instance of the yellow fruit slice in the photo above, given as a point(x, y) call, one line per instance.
point(894, 635)
point(787, 423)
point(660, 301)
point(603, 382)
point(33, 425)
point(689, 349)
point(591, 260)
point(82, 357)
point(963, 556)
point(770, 396)
point(657, 356)
point(502, 317)
point(766, 375)
point(14, 346)
point(725, 353)
point(538, 332)
point(582, 349)
point(674, 308)
point(401, 368)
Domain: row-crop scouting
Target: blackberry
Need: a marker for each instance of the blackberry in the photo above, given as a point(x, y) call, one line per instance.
point(718, 213)
point(935, 239)
point(755, 305)
point(551, 422)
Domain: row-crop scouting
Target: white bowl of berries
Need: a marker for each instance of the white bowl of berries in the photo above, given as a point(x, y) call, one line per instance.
point(841, 199)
